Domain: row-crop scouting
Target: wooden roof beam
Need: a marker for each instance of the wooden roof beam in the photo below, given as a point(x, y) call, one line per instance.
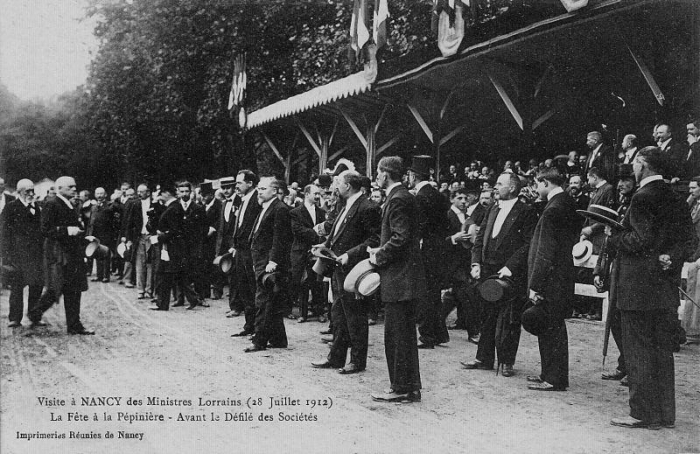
point(421, 122)
point(506, 99)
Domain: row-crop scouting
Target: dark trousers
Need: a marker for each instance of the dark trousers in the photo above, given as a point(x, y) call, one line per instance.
point(103, 267)
point(304, 279)
point(431, 323)
point(17, 285)
point(350, 325)
point(647, 340)
point(170, 281)
point(464, 297)
point(500, 332)
point(616, 330)
point(71, 302)
point(271, 307)
point(242, 291)
point(400, 346)
point(554, 355)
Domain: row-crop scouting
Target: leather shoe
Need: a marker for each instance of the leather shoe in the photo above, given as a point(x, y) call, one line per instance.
point(534, 379)
point(625, 381)
point(476, 364)
point(426, 346)
point(156, 308)
point(231, 314)
point(327, 340)
point(474, 339)
point(617, 375)
point(14, 324)
point(323, 365)
point(634, 423)
point(203, 303)
point(191, 307)
point(544, 386)
point(178, 304)
point(301, 319)
point(81, 331)
point(507, 370)
point(392, 396)
point(254, 348)
point(350, 369)
point(326, 331)
point(38, 323)
point(242, 334)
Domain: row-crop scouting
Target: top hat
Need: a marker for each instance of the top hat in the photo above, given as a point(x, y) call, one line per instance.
point(326, 260)
point(206, 188)
point(363, 279)
point(227, 181)
point(495, 289)
point(582, 251)
point(603, 214)
point(271, 281)
point(95, 250)
point(421, 164)
point(225, 262)
point(535, 320)
point(324, 181)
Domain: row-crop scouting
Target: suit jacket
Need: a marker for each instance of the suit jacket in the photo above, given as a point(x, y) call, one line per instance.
point(458, 255)
point(399, 260)
point(359, 229)
point(104, 224)
point(304, 235)
point(64, 266)
point(213, 215)
point(181, 233)
point(272, 241)
point(478, 214)
point(133, 218)
point(551, 270)
point(224, 229)
point(692, 162)
point(677, 155)
point(433, 227)
point(512, 243)
point(657, 222)
point(604, 195)
point(605, 161)
point(241, 233)
point(22, 241)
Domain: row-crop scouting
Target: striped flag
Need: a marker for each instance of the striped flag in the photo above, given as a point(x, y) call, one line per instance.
point(236, 97)
point(359, 32)
point(381, 14)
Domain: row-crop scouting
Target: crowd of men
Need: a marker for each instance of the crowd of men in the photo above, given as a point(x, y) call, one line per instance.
point(434, 245)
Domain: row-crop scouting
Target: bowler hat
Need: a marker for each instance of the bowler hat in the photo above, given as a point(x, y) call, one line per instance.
point(603, 214)
point(95, 250)
point(495, 289)
point(272, 281)
point(225, 262)
point(363, 279)
point(582, 251)
point(536, 320)
point(421, 164)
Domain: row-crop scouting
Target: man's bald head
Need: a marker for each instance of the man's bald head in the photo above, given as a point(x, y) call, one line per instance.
point(65, 186)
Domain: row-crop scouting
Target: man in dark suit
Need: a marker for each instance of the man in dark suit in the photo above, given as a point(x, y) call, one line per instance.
point(602, 193)
point(64, 251)
point(23, 250)
point(656, 238)
point(103, 225)
point(4, 200)
point(501, 249)
point(433, 227)
point(224, 233)
point(304, 218)
point(674, 150)
point(575, 192)
point(355, 229)
point(400, 267)
point(213, 280)
point(244, 284)
point(601, 156)
point(270, 245)
point(692, 159)
point(551, 277)
point(180, 234)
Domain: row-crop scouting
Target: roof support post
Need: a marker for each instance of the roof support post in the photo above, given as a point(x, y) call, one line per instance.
point(648, 77)
point(371, 148)
point(421, 122)
point(506, 99)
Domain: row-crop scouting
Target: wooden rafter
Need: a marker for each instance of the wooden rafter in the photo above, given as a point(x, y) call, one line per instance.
point(306, 133)
point(506, 99)
point(354, 128)
point(421, 122)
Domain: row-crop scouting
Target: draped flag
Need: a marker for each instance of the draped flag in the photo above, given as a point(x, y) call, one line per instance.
point(359, 32)
point(449, 7)
point(573, 5)
point(381, 14)
point(236, 97)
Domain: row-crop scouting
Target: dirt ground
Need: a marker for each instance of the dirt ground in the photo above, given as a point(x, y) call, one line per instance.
point(184, 355)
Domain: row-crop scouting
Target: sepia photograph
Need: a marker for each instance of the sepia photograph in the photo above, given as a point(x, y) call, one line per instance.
point(350, 226)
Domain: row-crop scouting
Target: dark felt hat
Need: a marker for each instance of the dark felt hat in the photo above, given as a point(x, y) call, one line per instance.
point(495, 289)
point(536, 320)
point(225, 262)
point(206, 188)
point(421, 164)
point(95, 250)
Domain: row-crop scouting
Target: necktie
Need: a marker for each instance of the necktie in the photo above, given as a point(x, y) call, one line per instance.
point(32, 209)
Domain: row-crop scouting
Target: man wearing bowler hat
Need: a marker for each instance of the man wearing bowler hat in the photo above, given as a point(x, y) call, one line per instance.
point(501, 249)
point(433, 229)
point(656, 238)
point(400, 267)
point(355, 229)
point(551, 277)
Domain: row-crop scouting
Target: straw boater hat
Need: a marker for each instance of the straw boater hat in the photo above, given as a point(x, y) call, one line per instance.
point(363, 279)
point(603, 214)
point(227, 181)
point(123, 250)
point(582, 251)
point(95, 250)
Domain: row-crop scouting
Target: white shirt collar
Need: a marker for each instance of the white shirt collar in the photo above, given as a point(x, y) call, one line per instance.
point(553, 192)
point(268, 203)
point(507, 203)
point(648, 180)
point(353, 198)
point(460, 214)
point(420, 185)
point(600, 184)
point(391, 187)
point(664, 144)
point(185, 205)
point(65, 200)
point(170, 202)
point(247, 197)
point(631, 151)
point(595, 150)
point(209, 205)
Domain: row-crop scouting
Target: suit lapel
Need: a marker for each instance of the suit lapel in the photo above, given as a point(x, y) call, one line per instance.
point(493, 212)
point(508, 222)
point(350, 214)
point(262, 219)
